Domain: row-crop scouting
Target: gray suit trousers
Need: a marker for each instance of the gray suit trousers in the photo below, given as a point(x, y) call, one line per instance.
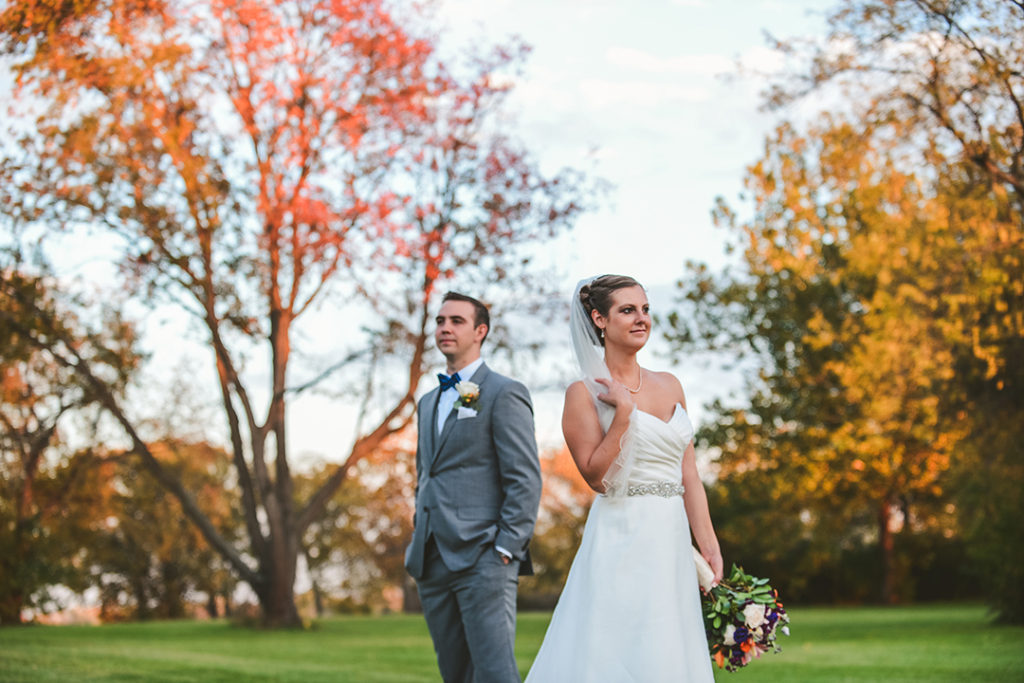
point(471, 615)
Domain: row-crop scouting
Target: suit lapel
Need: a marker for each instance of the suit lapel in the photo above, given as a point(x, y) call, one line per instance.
point(449, 425)
point(428, 427)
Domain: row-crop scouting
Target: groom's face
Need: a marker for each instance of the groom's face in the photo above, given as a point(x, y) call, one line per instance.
point(457, 334)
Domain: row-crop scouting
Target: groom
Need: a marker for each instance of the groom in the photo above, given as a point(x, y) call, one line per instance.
point(477, 493)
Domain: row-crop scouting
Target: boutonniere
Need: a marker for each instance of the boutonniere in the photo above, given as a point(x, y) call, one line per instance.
point(469, 394)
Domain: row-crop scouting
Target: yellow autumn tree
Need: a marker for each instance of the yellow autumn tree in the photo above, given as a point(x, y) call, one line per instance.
point(879, 295)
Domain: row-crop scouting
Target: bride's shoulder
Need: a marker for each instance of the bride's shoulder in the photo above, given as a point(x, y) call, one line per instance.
point(578, 401)
point(577, 396)
point(669, 384)
point(666, 379)
point(576, 391)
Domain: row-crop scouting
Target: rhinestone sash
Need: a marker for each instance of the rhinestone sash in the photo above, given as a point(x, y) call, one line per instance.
point(665, 489)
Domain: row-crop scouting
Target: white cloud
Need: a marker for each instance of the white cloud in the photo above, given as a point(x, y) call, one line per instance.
point(602, 93)
point(762, 60)
point(704, 64)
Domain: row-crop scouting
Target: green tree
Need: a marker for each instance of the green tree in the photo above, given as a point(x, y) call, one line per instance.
point(356, 551)
point(44, 502)
point(146, 557)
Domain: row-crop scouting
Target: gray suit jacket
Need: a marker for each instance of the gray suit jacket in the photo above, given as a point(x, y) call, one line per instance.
point(478, 481)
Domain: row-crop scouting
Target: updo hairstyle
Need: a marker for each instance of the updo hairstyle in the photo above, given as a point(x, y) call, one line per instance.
point(597, 296)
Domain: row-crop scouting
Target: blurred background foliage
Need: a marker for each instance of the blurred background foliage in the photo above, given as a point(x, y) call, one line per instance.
point(874, 303)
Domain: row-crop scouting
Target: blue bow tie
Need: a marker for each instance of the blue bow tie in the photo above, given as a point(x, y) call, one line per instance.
point(448, 382)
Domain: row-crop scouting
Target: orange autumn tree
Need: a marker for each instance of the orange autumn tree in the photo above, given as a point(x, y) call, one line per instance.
point(248, 158)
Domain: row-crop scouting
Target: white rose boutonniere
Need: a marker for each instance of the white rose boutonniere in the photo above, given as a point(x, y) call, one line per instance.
point(469, 394)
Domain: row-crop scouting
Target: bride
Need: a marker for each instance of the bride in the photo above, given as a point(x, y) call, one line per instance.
point(630, 609)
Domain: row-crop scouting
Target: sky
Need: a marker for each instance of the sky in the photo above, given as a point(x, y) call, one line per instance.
point(634, 92)
point(637, 91)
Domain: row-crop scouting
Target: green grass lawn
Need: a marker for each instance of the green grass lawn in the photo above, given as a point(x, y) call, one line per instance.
point(927, 643)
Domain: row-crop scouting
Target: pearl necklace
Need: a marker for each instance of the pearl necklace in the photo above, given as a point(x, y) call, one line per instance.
point(637, 390)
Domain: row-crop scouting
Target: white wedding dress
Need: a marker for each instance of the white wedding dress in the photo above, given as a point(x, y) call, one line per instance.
point(630, 610)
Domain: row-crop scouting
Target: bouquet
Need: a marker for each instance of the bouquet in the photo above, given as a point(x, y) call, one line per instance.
point(742, 615)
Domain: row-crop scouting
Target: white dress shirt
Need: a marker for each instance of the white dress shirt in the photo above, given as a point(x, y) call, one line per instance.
point(446, 401)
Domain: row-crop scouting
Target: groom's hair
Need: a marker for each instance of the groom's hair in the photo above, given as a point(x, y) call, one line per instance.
point(481, 316)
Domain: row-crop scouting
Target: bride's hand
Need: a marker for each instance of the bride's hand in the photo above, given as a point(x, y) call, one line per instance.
point(717, 566)
point(615, 394)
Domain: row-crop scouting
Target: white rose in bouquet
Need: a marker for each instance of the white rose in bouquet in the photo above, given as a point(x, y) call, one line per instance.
point(753, 615)
point(727, 637)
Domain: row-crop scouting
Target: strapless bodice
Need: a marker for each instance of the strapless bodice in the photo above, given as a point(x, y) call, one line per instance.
point(659, 446)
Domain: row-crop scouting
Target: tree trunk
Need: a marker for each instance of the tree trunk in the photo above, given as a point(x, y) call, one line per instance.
point(410, 596)
point(142, 611)
point(318, 599)
point(277, 597)
point(886, 543)
point(174, 591)
point(12, 595)
point(278, 606)
point(10, 608)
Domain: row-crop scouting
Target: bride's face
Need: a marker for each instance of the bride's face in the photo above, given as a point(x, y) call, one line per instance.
point(628, 322)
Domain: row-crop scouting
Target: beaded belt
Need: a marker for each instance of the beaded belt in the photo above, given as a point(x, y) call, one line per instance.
point(665, 489)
